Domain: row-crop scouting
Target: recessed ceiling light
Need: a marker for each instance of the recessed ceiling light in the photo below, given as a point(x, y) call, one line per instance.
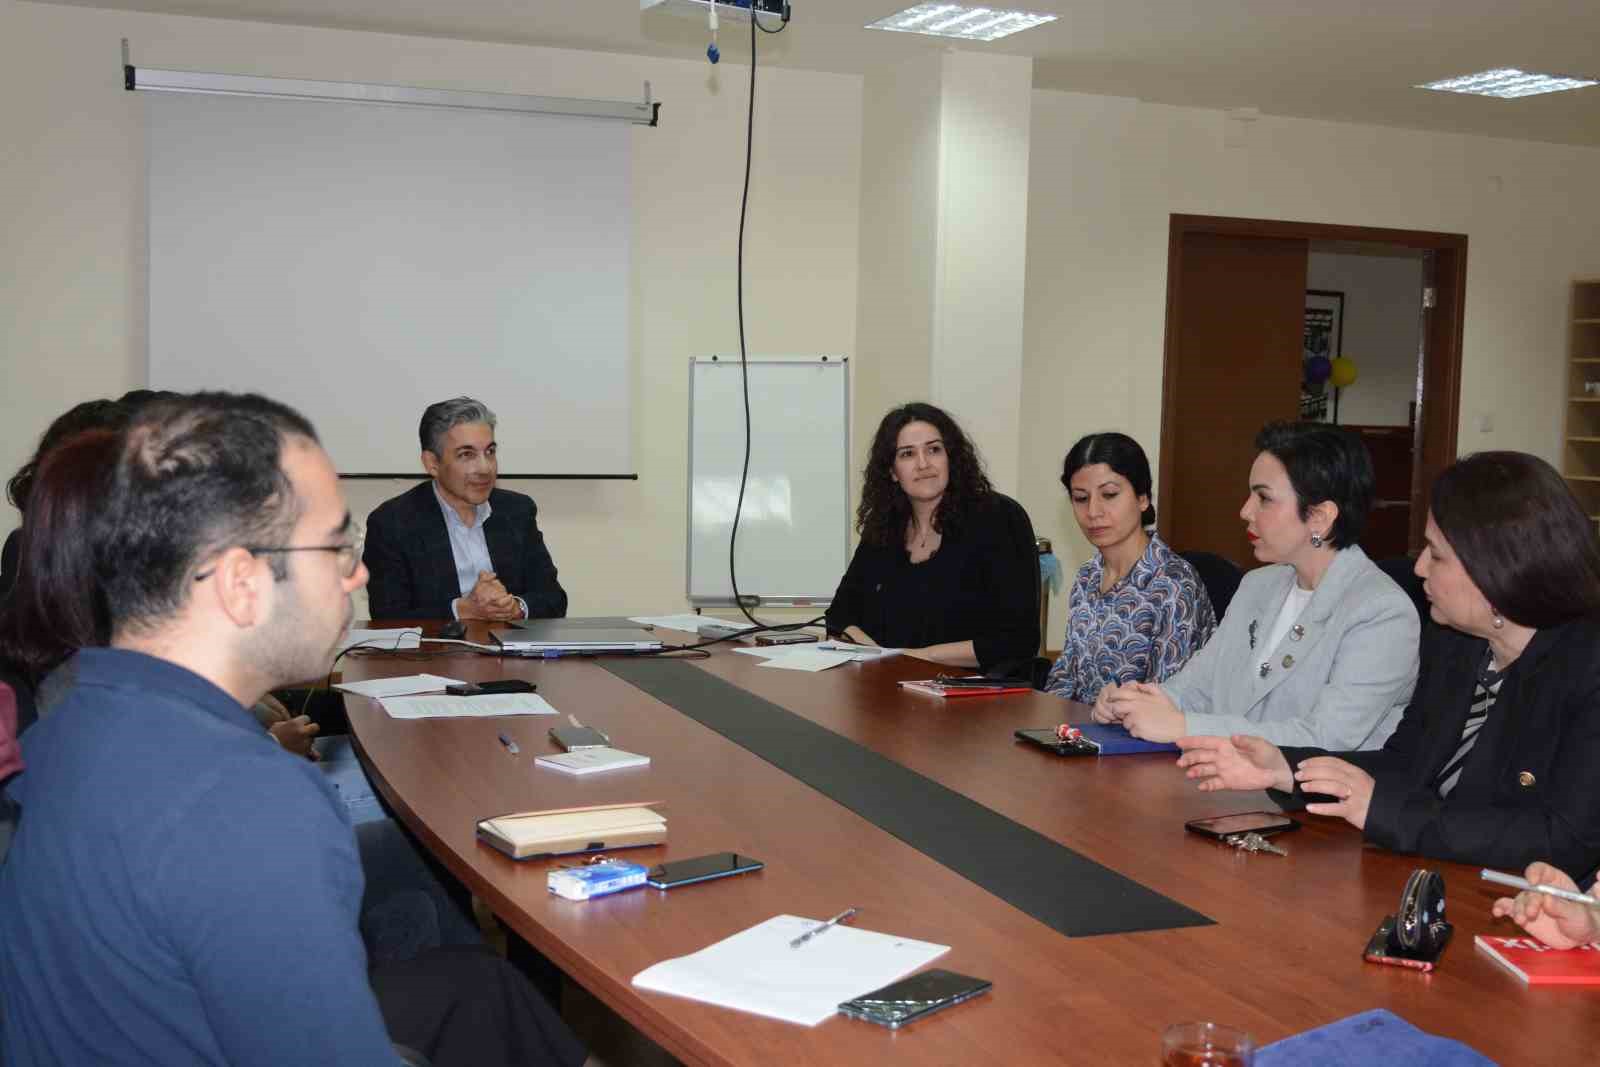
point(958, 20)
point(1508, 83)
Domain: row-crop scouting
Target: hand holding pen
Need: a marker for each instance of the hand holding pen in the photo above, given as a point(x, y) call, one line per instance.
point(1549, 906)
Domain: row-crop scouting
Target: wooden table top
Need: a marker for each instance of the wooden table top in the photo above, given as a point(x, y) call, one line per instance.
point(1283, 956)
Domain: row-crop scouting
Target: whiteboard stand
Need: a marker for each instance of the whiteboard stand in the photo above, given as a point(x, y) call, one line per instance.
point(794, 529)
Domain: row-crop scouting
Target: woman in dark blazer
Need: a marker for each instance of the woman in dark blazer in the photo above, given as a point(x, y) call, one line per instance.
point(1493, 761)
point(947, 568)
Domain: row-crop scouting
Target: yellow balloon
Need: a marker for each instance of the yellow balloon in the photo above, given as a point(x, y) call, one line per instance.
point(1344, 373)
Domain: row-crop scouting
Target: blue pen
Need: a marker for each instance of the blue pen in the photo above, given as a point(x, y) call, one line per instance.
point(511, 746)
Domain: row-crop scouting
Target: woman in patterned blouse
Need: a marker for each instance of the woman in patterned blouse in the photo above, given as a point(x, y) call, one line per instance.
point(1138, 610)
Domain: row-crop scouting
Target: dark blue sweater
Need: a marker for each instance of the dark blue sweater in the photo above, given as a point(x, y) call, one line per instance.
point(180, 889)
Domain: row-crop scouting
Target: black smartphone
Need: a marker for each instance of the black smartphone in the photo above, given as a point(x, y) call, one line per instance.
point(914, 998)
point(1050, 739)
point(1246, 822)
point(505, 685)
point(700, 869)
point(573, 738)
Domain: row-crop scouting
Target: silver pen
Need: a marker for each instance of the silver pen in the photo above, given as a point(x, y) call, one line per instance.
point(823, 927)
point(1549, 890)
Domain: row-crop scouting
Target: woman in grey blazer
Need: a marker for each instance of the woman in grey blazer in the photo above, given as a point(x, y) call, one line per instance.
point(1319, 649)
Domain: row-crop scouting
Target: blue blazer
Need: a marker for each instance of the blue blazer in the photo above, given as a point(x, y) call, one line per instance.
point(1340, 683)
point(414, 571)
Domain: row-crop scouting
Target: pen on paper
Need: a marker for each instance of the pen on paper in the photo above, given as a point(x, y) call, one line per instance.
point(823, 927)
point(511, 746)
point(1549, 890)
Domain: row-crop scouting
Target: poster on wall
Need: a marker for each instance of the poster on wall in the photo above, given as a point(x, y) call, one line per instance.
point(1322, 344)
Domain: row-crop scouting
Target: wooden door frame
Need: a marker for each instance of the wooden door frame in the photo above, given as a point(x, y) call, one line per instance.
point(1438, 416)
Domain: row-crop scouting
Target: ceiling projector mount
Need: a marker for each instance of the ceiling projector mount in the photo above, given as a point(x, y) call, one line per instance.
point(712, 10)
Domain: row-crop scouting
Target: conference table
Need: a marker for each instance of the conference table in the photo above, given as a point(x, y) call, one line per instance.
point(1282, 954)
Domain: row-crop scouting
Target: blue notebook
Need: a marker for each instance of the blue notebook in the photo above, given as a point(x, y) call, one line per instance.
point(1376, 1036)
point(1114, 740)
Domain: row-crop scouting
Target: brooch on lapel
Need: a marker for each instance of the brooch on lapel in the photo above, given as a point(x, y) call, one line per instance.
point(1266, 668)
point(1253, 641)
point(1296, 632)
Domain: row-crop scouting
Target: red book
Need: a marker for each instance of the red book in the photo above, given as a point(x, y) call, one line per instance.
point(954, 688)
point(1538, 964)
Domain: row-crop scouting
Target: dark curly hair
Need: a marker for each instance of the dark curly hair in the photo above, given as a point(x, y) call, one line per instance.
point(885, 509)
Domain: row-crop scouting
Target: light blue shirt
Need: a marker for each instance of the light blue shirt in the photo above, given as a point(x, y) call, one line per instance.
point(469, 547)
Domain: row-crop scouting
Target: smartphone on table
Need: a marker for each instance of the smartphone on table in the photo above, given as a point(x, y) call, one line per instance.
point(674, 873)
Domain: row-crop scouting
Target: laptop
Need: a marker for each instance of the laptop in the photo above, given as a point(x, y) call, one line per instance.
point(537, 636)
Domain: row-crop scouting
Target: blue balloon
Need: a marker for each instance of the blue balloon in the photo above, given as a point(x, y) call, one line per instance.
point(1317, 369)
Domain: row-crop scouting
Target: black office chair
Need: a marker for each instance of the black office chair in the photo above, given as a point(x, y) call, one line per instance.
point(1220, 576)
point(1399, 569)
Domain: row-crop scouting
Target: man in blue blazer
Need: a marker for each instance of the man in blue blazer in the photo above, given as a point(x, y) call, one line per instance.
point(455, 546)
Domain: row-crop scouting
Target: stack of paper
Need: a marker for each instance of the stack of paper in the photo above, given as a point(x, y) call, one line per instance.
point(689, 623)
point(378, 688)
point(483, 706)
point(757, 971)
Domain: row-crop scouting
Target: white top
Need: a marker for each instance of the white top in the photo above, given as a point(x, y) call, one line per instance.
point(1293, 605)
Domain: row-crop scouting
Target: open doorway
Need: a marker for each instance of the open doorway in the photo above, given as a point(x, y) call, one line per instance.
point(1272, 320)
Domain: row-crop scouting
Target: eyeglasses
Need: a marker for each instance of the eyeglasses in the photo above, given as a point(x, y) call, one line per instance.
point(349, 553)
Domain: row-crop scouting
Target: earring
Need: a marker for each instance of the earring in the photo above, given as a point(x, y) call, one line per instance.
point(1316, 540)
point(1496, 621)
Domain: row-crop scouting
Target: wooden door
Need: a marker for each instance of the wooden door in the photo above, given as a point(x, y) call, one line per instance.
point(1235, 319)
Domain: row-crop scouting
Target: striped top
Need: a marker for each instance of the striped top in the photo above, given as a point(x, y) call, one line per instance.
point(1484, 694)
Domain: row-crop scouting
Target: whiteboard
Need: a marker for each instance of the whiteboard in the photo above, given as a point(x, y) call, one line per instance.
point(361, 262)
point(794, 529)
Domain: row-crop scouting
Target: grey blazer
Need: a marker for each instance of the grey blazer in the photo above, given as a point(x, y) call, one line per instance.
point(1338, 681)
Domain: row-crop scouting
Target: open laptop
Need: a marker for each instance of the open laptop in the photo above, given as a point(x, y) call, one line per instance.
point(537, 636)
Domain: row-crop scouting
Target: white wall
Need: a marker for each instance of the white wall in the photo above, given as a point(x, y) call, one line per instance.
point(71, 241)
point(1381, 333)
point(1106, 175)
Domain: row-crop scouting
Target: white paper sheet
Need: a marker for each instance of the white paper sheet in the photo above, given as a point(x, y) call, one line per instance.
point(756, 970)
point(484, 706)
point(399, 687)
point(389, 639)
point(764, 651)
point(687, 622)
point(808, 659)
point(860, 653)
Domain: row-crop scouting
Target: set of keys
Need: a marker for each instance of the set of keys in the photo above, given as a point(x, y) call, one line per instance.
point(1253, 842)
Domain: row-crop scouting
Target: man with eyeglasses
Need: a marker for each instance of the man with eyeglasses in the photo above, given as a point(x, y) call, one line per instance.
point(179, 890)
point(455, 546)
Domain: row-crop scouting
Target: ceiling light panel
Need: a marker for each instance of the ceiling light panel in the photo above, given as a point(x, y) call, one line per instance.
point(1507, 83)
point(962, 22)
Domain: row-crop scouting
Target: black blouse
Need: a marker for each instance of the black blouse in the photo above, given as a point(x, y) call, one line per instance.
point(981, 585)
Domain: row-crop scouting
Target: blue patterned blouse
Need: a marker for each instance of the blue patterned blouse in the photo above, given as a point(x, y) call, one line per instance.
point(1142, 630)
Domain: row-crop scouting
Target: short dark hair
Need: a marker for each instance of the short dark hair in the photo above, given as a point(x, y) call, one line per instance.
point(439, 419)
point(1521, 535)
point(56, 606)
point(884, 510)
point(193, 475)
point(1324, 462)
point(1119, 452)
point(89, 415)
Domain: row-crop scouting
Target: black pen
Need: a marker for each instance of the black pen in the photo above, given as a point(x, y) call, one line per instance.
point(511, 746)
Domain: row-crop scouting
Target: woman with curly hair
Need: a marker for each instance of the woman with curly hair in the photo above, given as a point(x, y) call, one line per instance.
point(947, 567)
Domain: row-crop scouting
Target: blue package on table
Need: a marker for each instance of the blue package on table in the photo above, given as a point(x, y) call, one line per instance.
point(595, 879)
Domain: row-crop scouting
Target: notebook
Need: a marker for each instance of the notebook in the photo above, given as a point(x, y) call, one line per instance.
point(522, 835)
point(1538, 964)
point(592, 760)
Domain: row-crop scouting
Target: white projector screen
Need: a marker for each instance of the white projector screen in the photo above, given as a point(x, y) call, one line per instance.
point(360, 262)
